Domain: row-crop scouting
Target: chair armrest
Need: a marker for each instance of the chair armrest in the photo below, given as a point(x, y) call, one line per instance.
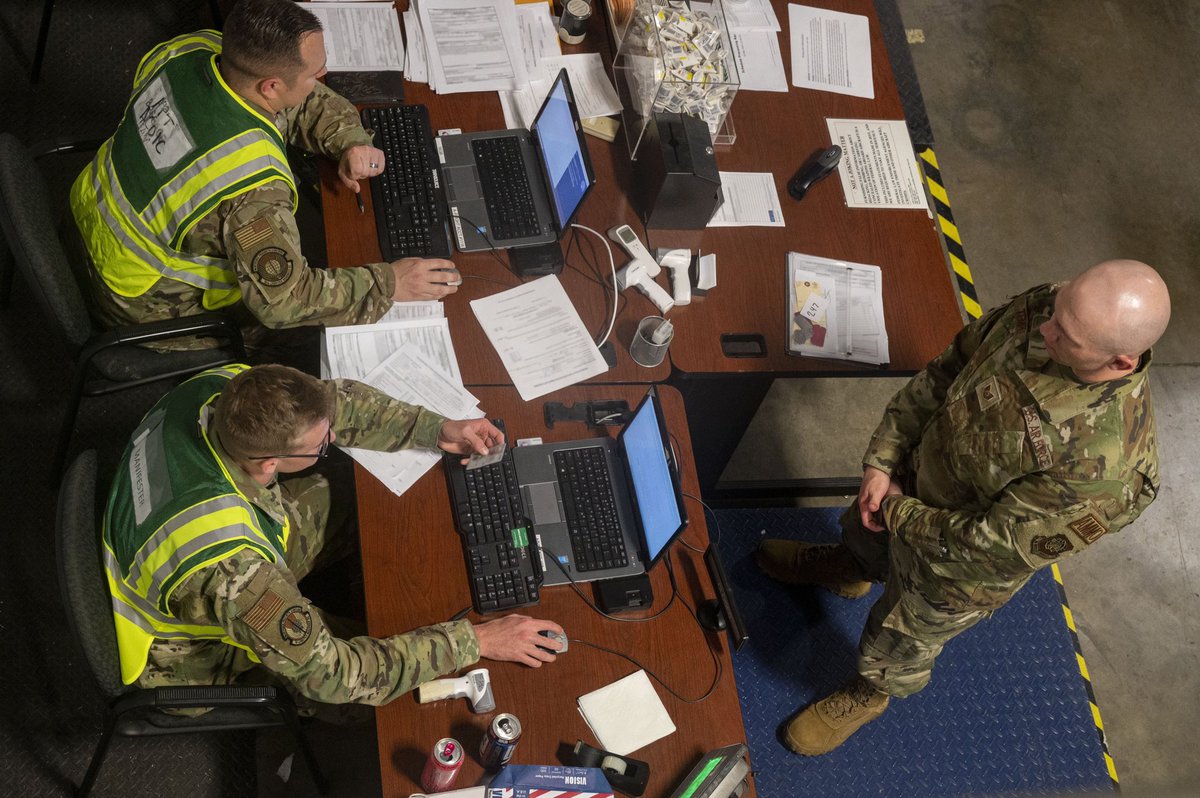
point(204, 697)
point(216, 324)
point(62, 146)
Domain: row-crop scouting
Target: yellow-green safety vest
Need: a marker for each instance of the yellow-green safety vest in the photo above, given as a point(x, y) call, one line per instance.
point(186, 143)
point(174, 509)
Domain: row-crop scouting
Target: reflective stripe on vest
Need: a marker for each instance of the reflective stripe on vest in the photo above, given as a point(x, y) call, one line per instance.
point(232, 148)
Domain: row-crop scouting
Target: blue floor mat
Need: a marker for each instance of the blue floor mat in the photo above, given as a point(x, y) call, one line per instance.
point(1007, 711)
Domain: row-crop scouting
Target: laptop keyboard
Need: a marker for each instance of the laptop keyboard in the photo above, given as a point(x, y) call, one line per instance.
point(587, 496)
point(505, 188)
point(409, 201)
point(503, 567)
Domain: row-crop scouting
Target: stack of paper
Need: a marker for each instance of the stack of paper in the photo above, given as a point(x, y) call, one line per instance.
point(360, 36)
point(480, 45)
point(412, 359)
point(835, 309)
point(464, 45)
point(754, 38)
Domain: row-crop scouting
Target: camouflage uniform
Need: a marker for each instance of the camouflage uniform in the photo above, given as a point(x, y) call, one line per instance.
point(1009, 463)
point(260, 606)
point(256, 231)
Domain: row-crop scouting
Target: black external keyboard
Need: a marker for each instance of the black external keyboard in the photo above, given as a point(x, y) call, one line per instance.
point(587, 497)
point(409, 200)
point(505, 188)
point(503, 566)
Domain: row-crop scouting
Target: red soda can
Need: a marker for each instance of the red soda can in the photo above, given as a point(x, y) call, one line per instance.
point(500, 742)
point(441, 769)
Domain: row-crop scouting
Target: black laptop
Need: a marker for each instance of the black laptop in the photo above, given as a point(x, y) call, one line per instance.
point(581, 511)
point(515, 188)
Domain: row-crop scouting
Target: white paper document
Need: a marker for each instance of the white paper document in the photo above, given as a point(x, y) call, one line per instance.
point(411, 377)
point(539, 34)
point(416, 62)
point(360, 36)
point(751, 200)
point(353, 352)
point(835, 309)
point(751, 15)
point(406, 311)
point(878, 167)
point(759, 61)
point(472, 45)
point(539, 336)
point(831, 51)
point(594, 92)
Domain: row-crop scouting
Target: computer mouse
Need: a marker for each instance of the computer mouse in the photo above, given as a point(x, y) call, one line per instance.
point(561, 638)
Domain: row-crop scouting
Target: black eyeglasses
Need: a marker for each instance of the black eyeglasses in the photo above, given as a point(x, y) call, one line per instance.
point(322, 450)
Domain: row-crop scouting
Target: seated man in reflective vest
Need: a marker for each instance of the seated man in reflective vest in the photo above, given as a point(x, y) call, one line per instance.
point(210, 526)
point(190, 206)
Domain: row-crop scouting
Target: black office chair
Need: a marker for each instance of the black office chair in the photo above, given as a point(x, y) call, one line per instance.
point(134, 711)
point(106, 361)
point(39, 53)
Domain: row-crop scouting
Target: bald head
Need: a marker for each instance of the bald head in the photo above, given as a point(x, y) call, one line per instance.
point(1122, 306)
point(1106, 318)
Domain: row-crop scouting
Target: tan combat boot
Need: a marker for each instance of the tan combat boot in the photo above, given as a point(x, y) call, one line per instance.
point(828, 723)
point(829, 565)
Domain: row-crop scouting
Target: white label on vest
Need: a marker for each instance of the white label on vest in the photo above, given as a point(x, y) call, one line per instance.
point(162, 132)
point(139, 478)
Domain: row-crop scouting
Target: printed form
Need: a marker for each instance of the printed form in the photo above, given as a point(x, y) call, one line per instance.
point(472, 45)
point(360, 36)
point(539, 336)
point(831, 51)
point(751, 200)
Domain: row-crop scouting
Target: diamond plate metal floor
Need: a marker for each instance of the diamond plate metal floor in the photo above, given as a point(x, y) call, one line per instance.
point(1006, 712)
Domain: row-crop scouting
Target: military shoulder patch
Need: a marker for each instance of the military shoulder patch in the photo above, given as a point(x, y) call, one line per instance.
point(295, 625)
point(1050, 547)
point(1089, 528)
point(271, 266)
point(266, 608)
point(251, 235)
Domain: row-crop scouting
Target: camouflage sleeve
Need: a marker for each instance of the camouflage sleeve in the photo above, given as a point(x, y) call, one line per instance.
point(325, 123)
point(912, 406)
point(1037, 520)
point(261, 609)
point(278, 286)
point(370, 419)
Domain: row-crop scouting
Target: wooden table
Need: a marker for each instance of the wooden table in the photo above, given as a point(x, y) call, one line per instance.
point(414, 575)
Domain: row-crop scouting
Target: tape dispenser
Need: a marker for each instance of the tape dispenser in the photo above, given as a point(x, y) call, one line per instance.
point(626, 775)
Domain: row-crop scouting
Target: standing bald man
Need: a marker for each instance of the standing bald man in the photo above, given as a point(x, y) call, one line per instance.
point(1027, 440)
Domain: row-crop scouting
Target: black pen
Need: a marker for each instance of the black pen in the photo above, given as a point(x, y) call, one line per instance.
point(358, 198)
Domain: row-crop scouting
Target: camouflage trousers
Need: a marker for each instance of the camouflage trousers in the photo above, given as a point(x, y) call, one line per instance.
point(918, 613)
point(320, 508)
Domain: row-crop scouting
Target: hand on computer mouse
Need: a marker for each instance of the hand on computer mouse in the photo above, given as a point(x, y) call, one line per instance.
point(424, 279)
point(560, 638)
point(517, 638)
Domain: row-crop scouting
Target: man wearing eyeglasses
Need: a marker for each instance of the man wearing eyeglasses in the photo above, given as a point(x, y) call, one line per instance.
point(210, 525)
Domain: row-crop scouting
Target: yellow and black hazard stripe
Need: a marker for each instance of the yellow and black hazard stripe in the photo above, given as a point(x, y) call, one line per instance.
point(958, 258)
point(1087, 679)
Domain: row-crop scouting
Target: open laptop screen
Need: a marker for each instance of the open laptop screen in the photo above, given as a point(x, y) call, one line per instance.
point(657, 494)
point(560, 142)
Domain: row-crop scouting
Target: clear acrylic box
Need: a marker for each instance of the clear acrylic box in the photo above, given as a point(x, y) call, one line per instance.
point(672, 57)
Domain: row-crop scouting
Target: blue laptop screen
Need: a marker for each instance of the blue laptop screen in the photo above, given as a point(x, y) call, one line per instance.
point(646, 454)
point(559, 144)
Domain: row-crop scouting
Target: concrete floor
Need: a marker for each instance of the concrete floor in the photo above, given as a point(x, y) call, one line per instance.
point(1064, 132)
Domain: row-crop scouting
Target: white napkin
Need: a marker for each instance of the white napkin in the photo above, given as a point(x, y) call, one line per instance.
point(626, 714)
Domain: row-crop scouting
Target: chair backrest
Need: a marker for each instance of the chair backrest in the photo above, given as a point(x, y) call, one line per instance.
point(31, 234)
point(81, 577)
